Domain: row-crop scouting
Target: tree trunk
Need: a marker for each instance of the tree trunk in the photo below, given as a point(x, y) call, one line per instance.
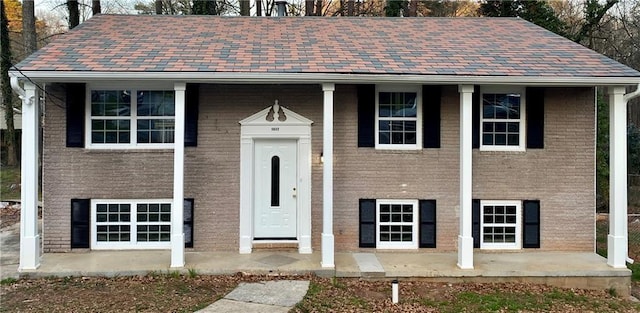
point(258, 7)
point(413, 8)
point(244, 7)
point(74, 13)
point(308, 7)
point(7, 93)
point(96, 7)
point(318, 11)
point(351, 7)
point(28, 27)
point(158, 7)
point(204, 7)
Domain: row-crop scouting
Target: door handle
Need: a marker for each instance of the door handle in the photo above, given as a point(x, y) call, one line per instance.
point(295, 192)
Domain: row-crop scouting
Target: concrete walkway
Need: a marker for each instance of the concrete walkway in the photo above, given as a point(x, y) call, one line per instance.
point(9, 251)
point(263, 297)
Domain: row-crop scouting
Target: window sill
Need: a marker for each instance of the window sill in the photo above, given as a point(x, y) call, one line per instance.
point(503, 148)
point(127, 150)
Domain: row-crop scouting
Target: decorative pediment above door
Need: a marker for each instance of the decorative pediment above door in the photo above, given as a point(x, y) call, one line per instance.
point(275, 115)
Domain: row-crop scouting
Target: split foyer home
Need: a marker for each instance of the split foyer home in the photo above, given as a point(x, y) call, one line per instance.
point(324, 134)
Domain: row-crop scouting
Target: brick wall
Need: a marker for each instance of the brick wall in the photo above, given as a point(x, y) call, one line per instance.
point(561, 175)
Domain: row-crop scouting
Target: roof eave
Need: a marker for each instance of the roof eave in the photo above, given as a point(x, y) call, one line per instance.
point(309, 78)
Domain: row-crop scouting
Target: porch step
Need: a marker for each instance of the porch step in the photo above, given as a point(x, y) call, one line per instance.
point(369, 265)
point(276, 246)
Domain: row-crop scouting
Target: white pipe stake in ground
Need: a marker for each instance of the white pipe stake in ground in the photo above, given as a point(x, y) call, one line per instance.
point(394, 291)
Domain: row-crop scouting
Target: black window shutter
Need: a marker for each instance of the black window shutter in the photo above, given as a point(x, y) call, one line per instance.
point(475, 112)
point(188, 222)
point(431, 96)
point(427, 223)
point(367, 223)
point(80, 223)
point(192, 99)
point(366, 115)
point(531, 224)
point(75, 98)
point(475, 223)
point(535, 118)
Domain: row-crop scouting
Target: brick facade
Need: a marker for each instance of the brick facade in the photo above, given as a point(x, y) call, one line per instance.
point(561, 176)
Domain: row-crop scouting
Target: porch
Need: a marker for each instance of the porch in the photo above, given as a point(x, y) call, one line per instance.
point(562, 269)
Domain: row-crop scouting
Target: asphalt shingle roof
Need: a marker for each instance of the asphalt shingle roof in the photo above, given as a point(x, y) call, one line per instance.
point(421, 46)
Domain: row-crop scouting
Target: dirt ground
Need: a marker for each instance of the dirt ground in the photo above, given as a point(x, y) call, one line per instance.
point(174, 293)
point(170, 292)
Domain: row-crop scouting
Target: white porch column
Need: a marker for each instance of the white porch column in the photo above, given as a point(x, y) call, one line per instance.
point(327, 177)
point(465, 239)
point(29, 238)
point(177, 210)
point(617, 239)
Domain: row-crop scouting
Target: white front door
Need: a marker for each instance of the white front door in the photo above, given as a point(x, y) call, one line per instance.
point(275, 209)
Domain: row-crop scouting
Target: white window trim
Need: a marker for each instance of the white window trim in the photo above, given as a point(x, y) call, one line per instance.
point(397, 245)
point(397, 88)
point(133, 244)
point(502, 246)
point(133, 87)
point(523, 109)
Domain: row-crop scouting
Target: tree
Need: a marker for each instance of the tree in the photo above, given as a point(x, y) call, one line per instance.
point(96, 7)
point(593, 14)
point(7, 93)
point(244, 7)
point(396, 8)
point(444, 8)
point(538, 12)
point(170, 7)
point(29, 27)
point(204, 7)
point(74, 13)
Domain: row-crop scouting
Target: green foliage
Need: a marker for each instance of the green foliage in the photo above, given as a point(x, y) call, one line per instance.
point(498, 8)
point(594, 11)
point(395, 8)
point(9, 183)
point(635, 271)
point(537, 12)
point(192, 273)
point(204, 7)
point(8, 281)
point(602, 155)
point(633, 152)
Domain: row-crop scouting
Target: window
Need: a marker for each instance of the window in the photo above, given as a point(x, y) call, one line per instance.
point(398, 118)
point(502, 119)
point(500, 225)
point(397, 224)
point(131, 118)
point(120, 224)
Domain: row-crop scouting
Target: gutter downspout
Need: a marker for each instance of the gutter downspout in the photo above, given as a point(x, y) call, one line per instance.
point(15, 85)
point(626, 98)
point(632, 95)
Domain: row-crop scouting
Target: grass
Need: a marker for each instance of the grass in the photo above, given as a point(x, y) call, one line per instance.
point(8, 281)
point(602, 229)
point(9, 183)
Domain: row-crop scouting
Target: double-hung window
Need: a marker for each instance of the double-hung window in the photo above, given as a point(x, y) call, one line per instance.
point(126, 224)
point(501, 224)
point(398, 118)
point(127, 118)
point(502, 119)
point(397, 224)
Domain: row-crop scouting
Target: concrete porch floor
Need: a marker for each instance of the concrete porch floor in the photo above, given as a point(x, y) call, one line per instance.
point(562, 269)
